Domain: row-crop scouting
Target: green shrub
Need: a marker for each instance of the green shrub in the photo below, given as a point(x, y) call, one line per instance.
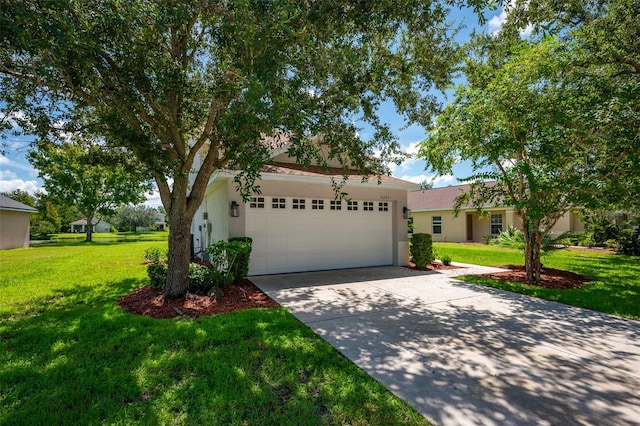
point(421, 249)
point(154, 255)
point(629, 242)
point(201, 278)
point(230, 258)
point(243, 246)
point(446, 260)
point(157, 273)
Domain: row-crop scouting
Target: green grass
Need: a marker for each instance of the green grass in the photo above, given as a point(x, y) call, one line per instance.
point(107, 237)
point(614, 286)
point(70, 355)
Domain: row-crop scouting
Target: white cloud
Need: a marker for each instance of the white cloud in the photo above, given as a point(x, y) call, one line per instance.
point(497, 21)
point(153, 199)
point(9, 163)
point(7, 174)
point(30, 186)
point(438, 181)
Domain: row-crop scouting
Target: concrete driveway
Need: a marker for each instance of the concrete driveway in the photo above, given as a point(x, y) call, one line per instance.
point(462, 354)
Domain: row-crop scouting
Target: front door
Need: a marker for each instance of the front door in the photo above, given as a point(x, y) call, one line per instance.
point(469, 227)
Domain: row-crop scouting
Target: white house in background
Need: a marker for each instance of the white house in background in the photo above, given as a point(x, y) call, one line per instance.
point(99, 226)
point(15, 221)
point(160, 223)
point(432, 212)
point(297, 224)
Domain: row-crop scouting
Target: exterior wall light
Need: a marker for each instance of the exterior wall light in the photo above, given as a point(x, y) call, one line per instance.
point(405, 213)
point(235, 212)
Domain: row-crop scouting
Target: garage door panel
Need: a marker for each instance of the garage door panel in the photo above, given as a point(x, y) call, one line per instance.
point(288, 240)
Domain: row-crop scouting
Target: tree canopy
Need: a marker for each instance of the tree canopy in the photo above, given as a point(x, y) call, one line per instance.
point(89, 177)
point(199, 85)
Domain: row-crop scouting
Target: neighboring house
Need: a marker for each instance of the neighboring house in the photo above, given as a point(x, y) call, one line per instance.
point(80, 226)
point(297, 224)
point(432, 212)
point(159, 225)
point(14, 223)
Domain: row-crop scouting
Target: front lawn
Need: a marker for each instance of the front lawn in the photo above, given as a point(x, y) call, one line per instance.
point(70, 355)
point(614, 286)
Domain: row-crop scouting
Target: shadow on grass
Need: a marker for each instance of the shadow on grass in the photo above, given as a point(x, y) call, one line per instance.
point(82, 360)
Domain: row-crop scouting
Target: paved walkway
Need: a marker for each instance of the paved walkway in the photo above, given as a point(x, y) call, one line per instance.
point(467, 355)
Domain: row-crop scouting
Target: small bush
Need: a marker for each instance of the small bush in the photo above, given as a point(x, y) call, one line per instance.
point(201, 278)
point(629, 242)
point(243, 246)
point(157, 273)
point(154, 255)
point(421, 249)
point(446, 260)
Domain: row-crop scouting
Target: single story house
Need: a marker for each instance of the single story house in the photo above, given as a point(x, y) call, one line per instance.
point(432, 212)
point(80, 226)
point(297, 224)
point(15, 222)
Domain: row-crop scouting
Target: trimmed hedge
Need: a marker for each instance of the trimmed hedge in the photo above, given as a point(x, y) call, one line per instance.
point(421, 249)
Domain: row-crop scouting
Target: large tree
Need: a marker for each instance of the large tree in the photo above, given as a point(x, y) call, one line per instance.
point(93, 179)
point(523, 120)
point(191, 87)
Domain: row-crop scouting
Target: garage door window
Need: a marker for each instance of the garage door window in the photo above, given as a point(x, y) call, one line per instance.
point(367, 206)
point(317, 204)
point(383, 207)
point(298, 204)
point(256, 202)
point(352, 205)
point(278, 203)
point(336, 205)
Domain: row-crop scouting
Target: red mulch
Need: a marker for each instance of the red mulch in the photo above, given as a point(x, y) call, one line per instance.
point(549, 277)
point(149, 301)
point(433, 266)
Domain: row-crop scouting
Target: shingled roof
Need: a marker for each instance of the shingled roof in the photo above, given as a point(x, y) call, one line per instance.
point(437, 198)
point(10, 204)
point(291, 169)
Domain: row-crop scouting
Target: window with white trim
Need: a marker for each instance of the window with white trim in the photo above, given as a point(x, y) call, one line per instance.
point(299, 204)
point(496, 224)
point(367, 206)
point(317, 204)
point(256, 202)
point(436, 225)
point(278, 203)
point(352, 205)
point(336, 205)
point(383, 207)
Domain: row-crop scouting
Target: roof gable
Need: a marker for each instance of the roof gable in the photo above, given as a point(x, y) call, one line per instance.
point(10, 204)
point(437, 198)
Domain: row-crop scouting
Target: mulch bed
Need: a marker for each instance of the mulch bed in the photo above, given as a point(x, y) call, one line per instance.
point(433, 266)
point(149, 301)
point(549, 277)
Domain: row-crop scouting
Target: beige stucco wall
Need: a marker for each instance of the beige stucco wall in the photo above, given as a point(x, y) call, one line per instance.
point(216, 225)
point(454, 229)
point(14, 229)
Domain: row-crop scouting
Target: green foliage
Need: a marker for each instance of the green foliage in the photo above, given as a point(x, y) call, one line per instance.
point(629, 242)
point(241, 266)
point(421, 249)
point(86, 175)
point(446, 260)
point(157, 273)
point(155, 255)
point(513, 238)
point(175, 84)
point(202, 278)
point(129, 218)
point(230, 258)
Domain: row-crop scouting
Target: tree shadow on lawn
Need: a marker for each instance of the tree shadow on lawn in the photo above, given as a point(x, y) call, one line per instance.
point(82, 360)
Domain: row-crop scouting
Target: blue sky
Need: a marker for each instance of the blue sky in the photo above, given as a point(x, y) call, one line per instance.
point(17, 173)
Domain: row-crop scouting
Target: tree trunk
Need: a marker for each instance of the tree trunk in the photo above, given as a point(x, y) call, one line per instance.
point(532, 246)
point(179, 249)
point(89, 228)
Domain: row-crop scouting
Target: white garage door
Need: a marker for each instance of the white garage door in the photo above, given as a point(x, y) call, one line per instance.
point(303, 234)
